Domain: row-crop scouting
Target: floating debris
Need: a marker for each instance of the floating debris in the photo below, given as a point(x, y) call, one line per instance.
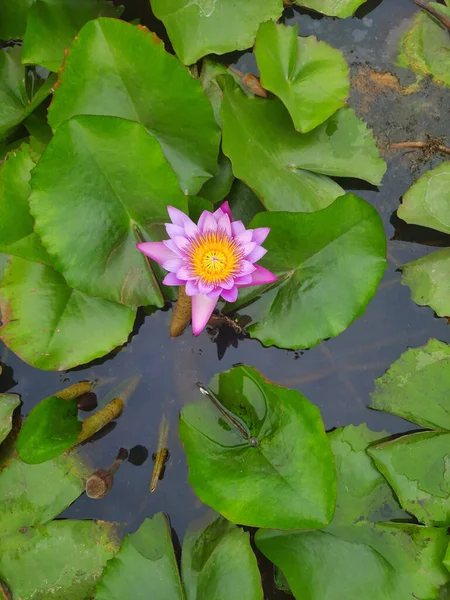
point(101, 482)
point(161, 455)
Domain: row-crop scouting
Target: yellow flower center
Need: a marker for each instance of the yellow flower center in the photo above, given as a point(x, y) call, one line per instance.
point(214, 257)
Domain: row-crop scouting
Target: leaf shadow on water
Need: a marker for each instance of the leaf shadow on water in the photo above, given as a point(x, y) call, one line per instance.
point(405, 232)
point(367, 8)
point(7, 381)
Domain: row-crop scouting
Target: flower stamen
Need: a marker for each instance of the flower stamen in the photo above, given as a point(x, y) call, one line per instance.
point(214, 257)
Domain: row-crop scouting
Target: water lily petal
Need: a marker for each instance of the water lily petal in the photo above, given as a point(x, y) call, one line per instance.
point(224, 224)
point(191, 288)
point(243, 280)
point(202, 309)
point(185, 273)
point(259, 234)
point(177, 216)
point(201, 221)
point(158, 251)
point(260, 276)
point(237, 227)
point(215, 293)
point(257, 254)
point(174, 230)
point(172, 246)
point(209, 223)
point(246, 268)
point(173, 264)
point(247, 248)
point(181, 242)
point(226, 209)
point(230, 295)
point(227, 284)
point(172, 279)
point(205, 288)
point(191, 229)
point(244, 237)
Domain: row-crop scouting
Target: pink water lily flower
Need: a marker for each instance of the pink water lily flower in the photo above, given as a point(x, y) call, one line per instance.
point(213, 258)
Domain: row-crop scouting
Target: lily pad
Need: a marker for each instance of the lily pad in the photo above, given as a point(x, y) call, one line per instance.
point(213, 26)
point(323, 283)
point(417, 466)
point(52, 25)
point(416, 387)
point(310, 77)
point(218, 562)
point(8, 404)
point(425, 49)
point(17, 235)
point(106, 72)
point(62, 559)
point(14, 18)
point(52, 326)
point(146, 561)
point(342, 8)
point(217, 188)
point(15, 104)
point(286, 169)
point(90, 224)
point(51, 427)
point(286, 479)
point(427, 203)
point(358, 556)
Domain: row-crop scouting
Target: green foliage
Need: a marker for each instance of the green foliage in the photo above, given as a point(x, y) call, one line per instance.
point(427, 203)
point(52, 25)
point(51, 427)
point(217, 562)
point(8, 403)
point(213, 26)
point(53, 326)
point(15, 102)
point(358, 555)
point(61, 559)
point(342, 9)
point(107, 73)
point(286, 480)
point(288, 170)
point(425, 48)
point(322, 286)
point(417, 465)
point(310, 77)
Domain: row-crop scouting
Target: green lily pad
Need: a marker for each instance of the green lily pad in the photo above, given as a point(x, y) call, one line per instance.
point(244, 204)
point(90, 225)
point(63, 559)
point(417, 466)
point(286, 169)
point(217, 188)
point(17, 235)
point(323, 283)
point(425, 49)
point(8, 404)
point(14, 18)
point(429, 282)
point(213, 26)
point(15, 104)
point(416, 386)
point(52, 26)
point(358, 556)
point(52, 326)
point(106, 72)
point(342, 8)
point(50, 428)
point(285, 480)
point(145, 562)
point(218, 562)
point(427, 203)
point(310, 77)
point(40, 132)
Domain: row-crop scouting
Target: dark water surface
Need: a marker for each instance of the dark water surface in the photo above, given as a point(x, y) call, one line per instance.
point(337, 375)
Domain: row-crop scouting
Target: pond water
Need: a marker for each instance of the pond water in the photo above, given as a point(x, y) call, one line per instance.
point(338, 374)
